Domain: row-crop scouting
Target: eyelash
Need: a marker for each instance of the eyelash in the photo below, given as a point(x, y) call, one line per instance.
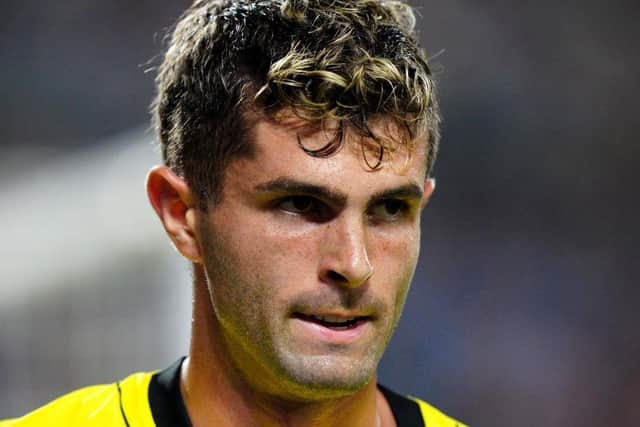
point(402, 210)
point(319, 211)
point(315, 209)
point(308, 201)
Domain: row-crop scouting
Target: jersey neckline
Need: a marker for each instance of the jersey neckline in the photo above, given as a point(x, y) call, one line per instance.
point(169, 410)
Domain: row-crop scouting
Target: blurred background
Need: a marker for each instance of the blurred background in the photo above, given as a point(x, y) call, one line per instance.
point(525, 307)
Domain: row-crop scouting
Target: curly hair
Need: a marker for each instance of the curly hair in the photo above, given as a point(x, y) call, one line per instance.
point(327, 61)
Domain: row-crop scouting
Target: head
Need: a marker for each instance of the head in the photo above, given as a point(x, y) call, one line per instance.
point(298, 138)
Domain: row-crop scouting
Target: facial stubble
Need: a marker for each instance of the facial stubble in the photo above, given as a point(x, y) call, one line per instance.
point(255, 336)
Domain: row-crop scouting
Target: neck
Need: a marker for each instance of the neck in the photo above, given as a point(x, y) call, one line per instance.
point(215, 393)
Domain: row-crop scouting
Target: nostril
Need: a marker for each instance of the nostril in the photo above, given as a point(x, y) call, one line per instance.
point(336, 277)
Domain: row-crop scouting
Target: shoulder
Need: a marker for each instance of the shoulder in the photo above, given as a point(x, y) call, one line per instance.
point(110, 405)
point(413, 412)
point(433, 417)
point(96, 405)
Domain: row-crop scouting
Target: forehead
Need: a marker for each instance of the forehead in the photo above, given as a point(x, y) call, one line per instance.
point(292, 146)
point(276, 156)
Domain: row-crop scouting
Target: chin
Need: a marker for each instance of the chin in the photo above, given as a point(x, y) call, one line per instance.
point(313, 378)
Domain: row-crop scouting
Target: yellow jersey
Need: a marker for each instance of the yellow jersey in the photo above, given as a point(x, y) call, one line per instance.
point(153, 399)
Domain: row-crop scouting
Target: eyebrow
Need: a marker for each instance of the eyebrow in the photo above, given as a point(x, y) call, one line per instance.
point(408, 191)
point(289, 185)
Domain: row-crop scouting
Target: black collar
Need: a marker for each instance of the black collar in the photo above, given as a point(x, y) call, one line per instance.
point(168, 409)
point(165, 398)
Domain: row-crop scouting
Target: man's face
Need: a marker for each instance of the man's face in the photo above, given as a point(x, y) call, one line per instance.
point(309, 261)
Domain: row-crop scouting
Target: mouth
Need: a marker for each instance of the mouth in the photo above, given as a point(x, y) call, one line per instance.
point(338, 329)
point(337, 323)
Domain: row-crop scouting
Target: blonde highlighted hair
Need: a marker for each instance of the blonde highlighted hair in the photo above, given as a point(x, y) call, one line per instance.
point(340, 61)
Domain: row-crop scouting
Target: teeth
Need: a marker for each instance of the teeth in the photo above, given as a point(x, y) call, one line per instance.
point(334, 319)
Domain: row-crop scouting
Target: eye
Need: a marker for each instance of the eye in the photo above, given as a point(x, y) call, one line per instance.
point(308, 208)
point(389, 209)
point(300, 205)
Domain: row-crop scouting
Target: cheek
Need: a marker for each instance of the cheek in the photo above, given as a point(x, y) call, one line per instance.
point(397, 252)
point(267, 261)
point(289, 255)
point(395, 262)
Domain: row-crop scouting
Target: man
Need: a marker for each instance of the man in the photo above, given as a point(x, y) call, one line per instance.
point(298, 137)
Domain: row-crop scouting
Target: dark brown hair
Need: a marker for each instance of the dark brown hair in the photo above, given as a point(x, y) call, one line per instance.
point(344, 61)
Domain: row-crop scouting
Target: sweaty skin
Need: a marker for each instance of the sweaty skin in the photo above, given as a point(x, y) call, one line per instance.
point(301, 273)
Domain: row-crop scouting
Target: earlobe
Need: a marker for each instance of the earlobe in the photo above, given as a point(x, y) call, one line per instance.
point(429, 188)
point(173, 202)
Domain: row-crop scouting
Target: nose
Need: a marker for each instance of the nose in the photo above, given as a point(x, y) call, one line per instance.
point(344, 256)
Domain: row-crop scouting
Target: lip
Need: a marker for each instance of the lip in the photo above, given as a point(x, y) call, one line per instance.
point(331, 335)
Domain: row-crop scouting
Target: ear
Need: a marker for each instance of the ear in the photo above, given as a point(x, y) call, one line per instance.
point(173, 201)
point(429, 188)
